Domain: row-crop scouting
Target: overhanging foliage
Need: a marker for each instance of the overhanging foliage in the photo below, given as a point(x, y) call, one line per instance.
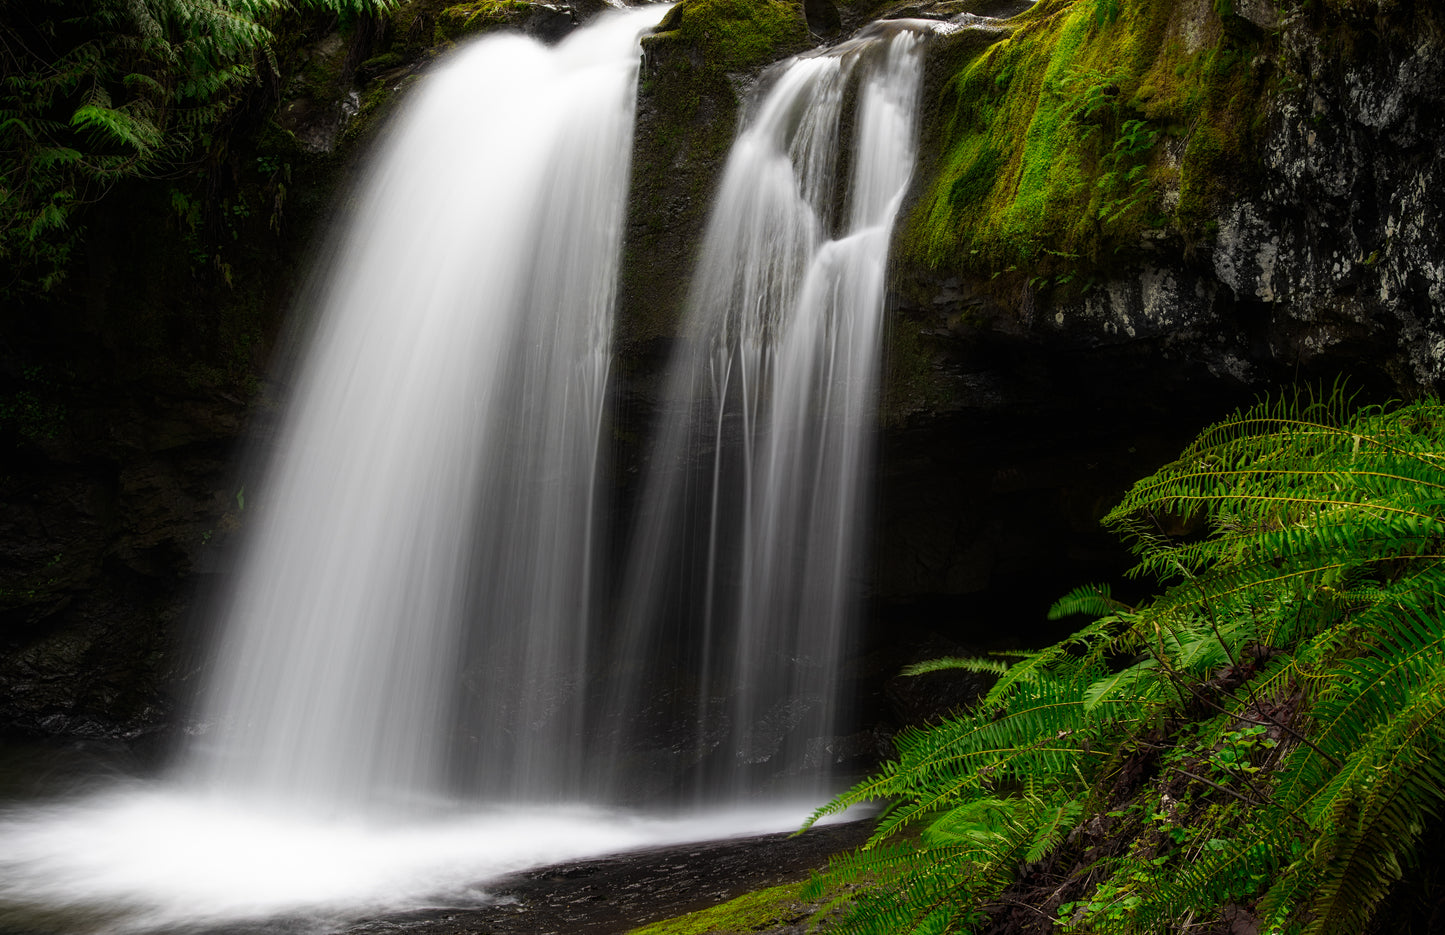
point(107, 90)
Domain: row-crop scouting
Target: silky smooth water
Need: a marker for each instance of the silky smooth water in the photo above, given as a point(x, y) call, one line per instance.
point(752, 526)
point(140, 857)
point(402, 701)
point(412, 615)
point(397, 668)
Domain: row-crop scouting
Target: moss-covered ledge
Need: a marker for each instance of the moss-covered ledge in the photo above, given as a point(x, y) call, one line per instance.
point(1093, 128)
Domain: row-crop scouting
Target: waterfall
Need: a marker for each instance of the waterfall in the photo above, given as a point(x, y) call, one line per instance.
point(751, 528)
point(412, 691)
point(416, 592)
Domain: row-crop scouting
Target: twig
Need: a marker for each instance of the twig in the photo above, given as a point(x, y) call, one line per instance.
point(1034, 909)
point(1214, 785)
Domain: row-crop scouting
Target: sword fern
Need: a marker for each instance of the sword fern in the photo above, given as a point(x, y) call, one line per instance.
point(1265, 733)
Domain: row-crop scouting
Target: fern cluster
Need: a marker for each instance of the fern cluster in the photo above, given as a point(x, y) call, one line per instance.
point(112, 89)
point(1262, 738)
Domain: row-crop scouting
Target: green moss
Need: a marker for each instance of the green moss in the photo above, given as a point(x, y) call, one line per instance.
point(752, 912)
point(1055, 143)
point(978, 177)
point(736, 35)
point(478, 16)
point(382, 62)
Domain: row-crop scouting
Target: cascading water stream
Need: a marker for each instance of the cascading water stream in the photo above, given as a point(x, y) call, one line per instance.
point(407, 669)
point(417, 594)
point(416, 591)
point(767, 446)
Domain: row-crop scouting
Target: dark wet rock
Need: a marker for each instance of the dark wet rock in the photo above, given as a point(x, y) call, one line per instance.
point(762, 740)
point(694, 80)
point(823, 17)
point(1322, 259)
point(615, 895)
point(98, 565)
point(317, 125)
point(970, 11)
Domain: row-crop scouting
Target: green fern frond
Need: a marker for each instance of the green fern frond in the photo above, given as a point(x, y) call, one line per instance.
point(947, 663)
point(967, 853)
point(1052, 823)
point(1092, 599)
point(118, 126)
point(1084, 652)
point(1289, 675)
point(1141, 681)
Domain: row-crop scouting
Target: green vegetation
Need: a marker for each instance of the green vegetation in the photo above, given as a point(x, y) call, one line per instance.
point(735, 35)
point(1056, 147)
point(30, 410)
point(114, 90)
point(467, 19)
point(1259, 742)
point(751, 912)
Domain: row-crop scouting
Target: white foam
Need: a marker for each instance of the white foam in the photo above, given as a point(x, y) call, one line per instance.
point(148, 856)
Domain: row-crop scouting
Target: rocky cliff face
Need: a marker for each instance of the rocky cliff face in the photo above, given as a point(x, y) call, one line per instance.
point(1326, 256)
point(1319, 253)
point(1338, 244)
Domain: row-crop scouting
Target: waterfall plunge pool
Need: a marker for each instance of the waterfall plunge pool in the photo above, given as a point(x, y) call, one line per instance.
point(144, 856)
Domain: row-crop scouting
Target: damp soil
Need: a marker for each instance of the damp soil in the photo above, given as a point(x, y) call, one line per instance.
point(612, 895)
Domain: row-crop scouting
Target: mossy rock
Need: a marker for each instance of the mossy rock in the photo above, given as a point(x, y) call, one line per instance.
point(1056, 147)
point(480, 16)
point(759, 911)
point(419, 30)
point(383, 62)
point(735, 35)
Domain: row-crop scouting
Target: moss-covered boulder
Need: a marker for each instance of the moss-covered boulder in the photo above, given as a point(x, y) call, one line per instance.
point(1240, 191)
point(1091, 122)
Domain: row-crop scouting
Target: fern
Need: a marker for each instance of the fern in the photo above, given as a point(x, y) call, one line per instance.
point(116, 89)
point(947, 663)
point(119, 127)
point(1287, 677)
point(1092, 599)
point(932, 886)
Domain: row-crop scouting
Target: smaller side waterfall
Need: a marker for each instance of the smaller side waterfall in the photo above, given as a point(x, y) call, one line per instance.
point(747, 550)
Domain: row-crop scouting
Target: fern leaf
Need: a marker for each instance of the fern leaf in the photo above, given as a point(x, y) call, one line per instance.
point(947, 663)
point(1141, 680)
point(117, 126)
point(1092, 599)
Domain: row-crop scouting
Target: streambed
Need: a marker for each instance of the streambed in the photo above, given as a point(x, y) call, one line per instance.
point(619, 893)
